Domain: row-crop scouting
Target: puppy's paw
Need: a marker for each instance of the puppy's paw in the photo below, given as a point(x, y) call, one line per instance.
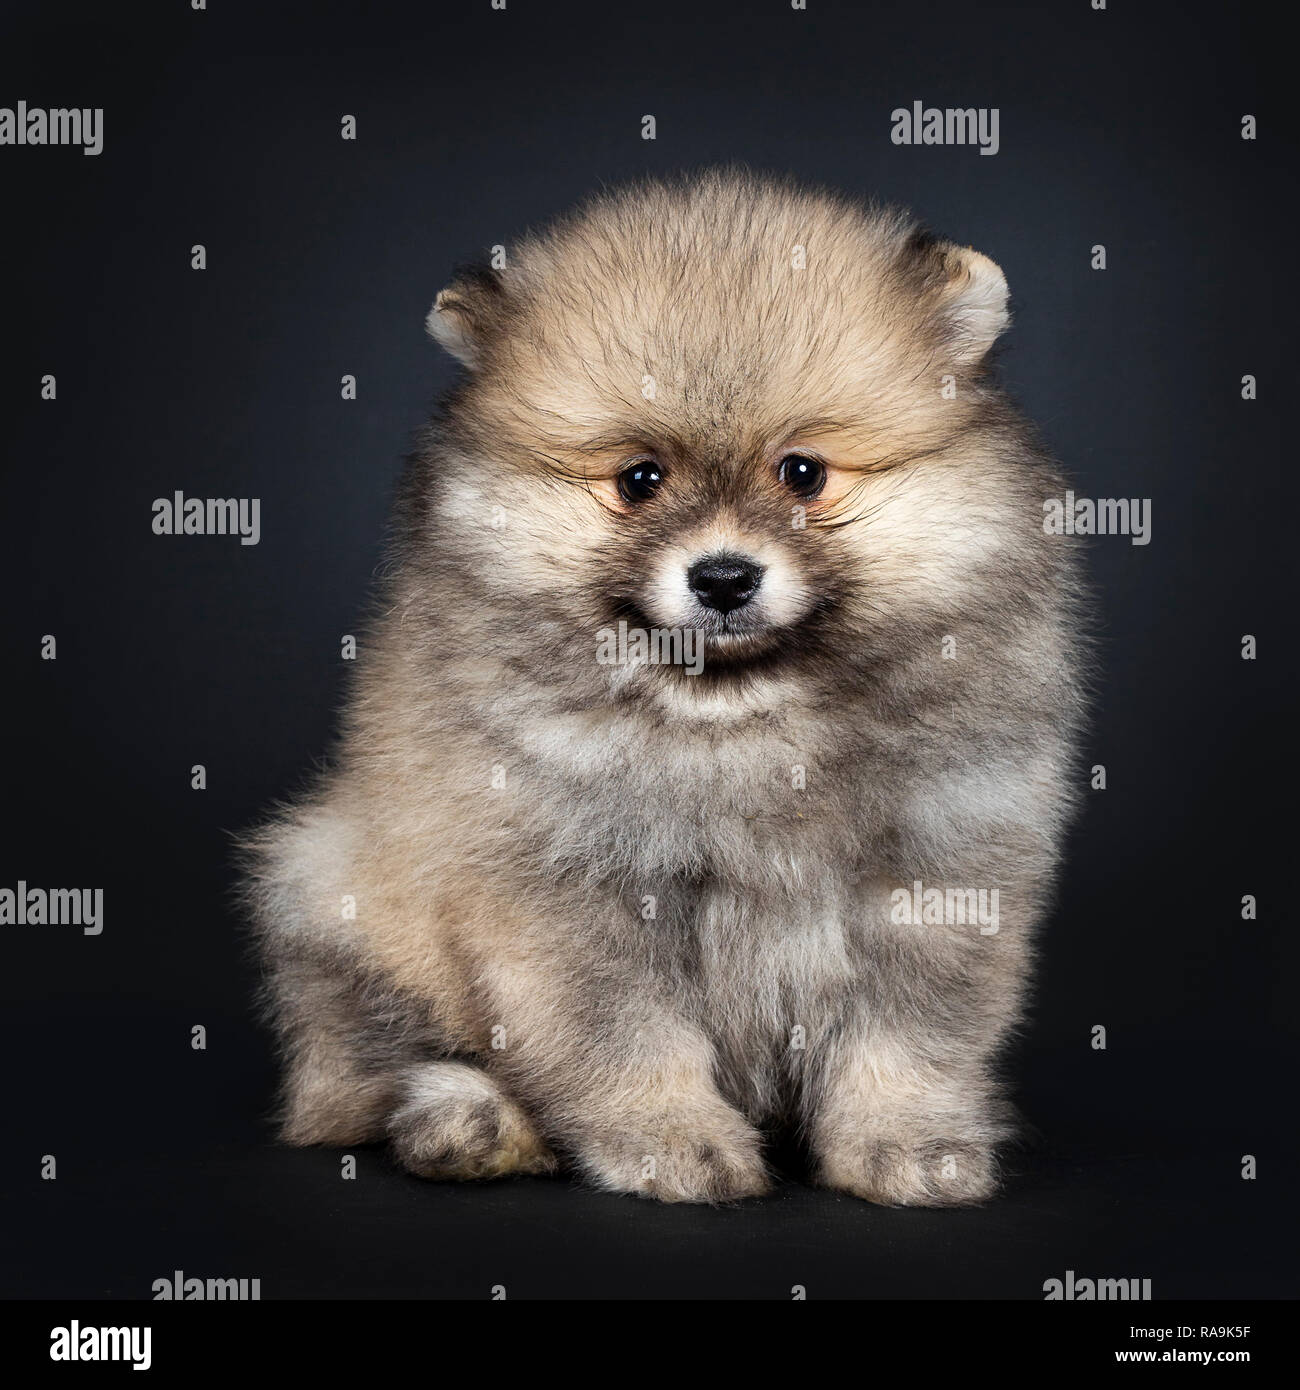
point(455, 1122)
point(899, 1172)
point(676, 1160)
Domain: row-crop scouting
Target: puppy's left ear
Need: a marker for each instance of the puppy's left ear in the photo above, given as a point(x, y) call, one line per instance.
point(466, 315)
point(973, 301)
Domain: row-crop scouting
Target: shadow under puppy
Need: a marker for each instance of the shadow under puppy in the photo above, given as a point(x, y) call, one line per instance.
point(574, 895)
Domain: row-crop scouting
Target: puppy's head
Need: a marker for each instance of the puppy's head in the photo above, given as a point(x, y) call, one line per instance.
point(731, 406)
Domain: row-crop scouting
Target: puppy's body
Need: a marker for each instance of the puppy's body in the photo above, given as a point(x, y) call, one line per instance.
point(627, 916)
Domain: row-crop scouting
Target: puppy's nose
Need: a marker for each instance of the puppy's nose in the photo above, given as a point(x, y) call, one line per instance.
point(724, 582)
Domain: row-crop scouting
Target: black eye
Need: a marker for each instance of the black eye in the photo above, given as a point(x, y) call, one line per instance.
point(804, 476)
point(640, 480)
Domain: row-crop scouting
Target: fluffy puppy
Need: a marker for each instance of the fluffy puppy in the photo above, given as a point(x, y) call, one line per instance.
point(706, 768)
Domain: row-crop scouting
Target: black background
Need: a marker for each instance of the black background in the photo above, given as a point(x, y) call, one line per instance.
point(1119, 127)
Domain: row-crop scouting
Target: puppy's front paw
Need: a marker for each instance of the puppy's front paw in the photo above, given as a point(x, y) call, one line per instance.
point(457, 1123)
point(910, 1172)
point(679, 1160)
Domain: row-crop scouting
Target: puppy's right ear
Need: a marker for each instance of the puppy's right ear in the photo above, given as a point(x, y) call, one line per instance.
point(965, 292)
point(466, 314)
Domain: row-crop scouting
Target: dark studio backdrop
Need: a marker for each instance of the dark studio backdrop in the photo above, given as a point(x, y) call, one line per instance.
point(222, 128)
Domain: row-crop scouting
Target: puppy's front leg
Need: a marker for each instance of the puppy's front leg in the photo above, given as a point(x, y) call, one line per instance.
point(902, 1103)
point(900, 1128)
point(623, 1084)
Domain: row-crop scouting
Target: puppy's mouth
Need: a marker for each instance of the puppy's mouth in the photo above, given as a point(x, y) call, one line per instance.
point(736, 632)
point(732, 643)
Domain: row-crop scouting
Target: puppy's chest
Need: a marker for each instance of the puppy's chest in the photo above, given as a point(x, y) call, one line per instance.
point(768, 965)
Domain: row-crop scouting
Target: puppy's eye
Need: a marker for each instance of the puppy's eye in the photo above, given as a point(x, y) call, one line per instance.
point(804, 476)
point(640, 480)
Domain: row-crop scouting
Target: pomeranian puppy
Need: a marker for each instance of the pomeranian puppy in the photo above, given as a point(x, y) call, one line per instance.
point(706, 766)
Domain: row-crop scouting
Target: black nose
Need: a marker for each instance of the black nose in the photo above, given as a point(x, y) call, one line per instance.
point(724, 582)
